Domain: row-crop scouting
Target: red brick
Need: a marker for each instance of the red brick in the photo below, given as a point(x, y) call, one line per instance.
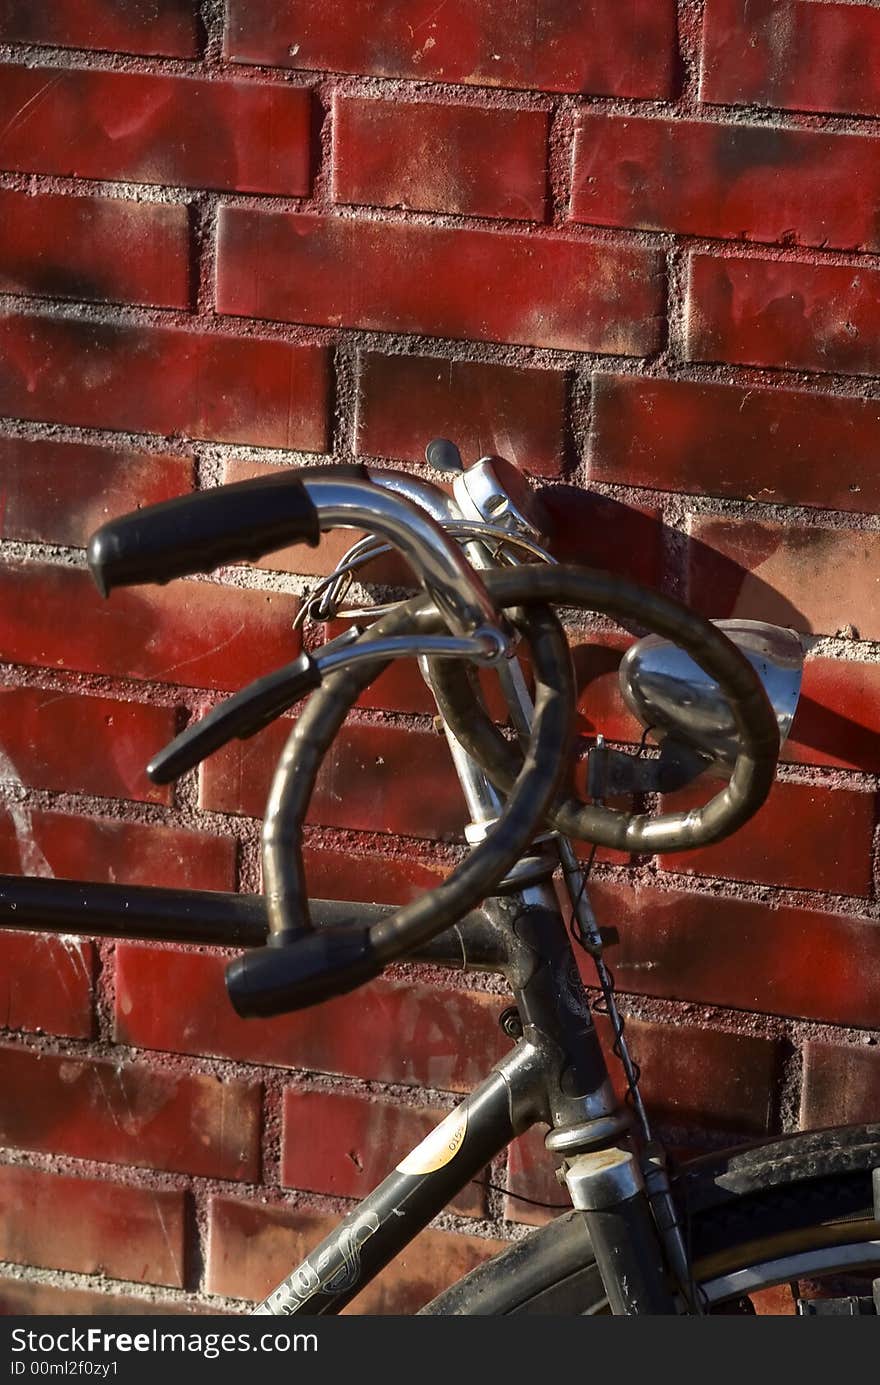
point(841, 1085)
point(805, 837)
point(388, 1031)
point(60, 492)
point(95, 248)
point(46, 983)
point(745, 182)
point(601, 708)
point(785, 314)
point(368, 878)
point(531, 1173)
point(33, 842)
point(598, 531)
point(401, 687)
point(374, 778)
point(474, 160)
point(598, 46)
point(488, 410)
point(837, 716)
point(702, 1077)
point(813, 579)
point(776, 1302)
point(91, 1225)
point(786, 447)
point(479, 285)
point(35, 1298)
point(252, 1248)
point(741, 954)
point(161, 380)
point(234, 136)
point(197, 633)
point(168, 28)
point(95, 745)
point(792, 53)
point(129, 1114)
point(345, 1145)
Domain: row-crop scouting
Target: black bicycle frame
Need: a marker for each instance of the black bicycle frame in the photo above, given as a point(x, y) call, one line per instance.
point(554, 1074)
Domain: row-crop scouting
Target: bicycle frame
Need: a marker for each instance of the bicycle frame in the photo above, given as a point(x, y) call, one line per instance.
point(521, 936)
point(559, 1050)
point(555, 1074)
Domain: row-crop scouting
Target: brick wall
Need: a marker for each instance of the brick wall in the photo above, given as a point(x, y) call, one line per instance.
point(630, 246)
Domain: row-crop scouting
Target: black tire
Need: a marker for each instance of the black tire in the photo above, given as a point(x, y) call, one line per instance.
point(806, 1196)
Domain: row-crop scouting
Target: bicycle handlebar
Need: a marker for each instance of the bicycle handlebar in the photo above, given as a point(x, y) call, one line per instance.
point(197, 532)
point(248, 519)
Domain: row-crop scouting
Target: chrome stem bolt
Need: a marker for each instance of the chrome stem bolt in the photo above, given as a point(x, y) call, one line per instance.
point(511, 1023)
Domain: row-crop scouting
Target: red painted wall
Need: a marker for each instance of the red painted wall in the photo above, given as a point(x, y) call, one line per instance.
point(631, 247)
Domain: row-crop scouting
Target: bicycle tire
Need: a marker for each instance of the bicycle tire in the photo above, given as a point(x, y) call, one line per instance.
point(804, 1202)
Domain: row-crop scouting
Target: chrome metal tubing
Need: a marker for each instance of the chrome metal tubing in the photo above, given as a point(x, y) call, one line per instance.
point(425, 494)
point(436, 559)
point(483, 648)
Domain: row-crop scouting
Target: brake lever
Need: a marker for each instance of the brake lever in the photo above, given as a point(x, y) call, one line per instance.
point(244, 714)
point(255, 706)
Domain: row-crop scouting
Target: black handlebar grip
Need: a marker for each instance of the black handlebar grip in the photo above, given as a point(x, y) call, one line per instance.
point(200, 531)
point(237, 718)
point(294, 975)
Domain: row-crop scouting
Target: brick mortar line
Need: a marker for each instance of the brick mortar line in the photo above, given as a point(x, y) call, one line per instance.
point(710, 887)
point(566, 229)
point(204, 253)
point(103, 990)
point(789, 1094)
point(691, 23)
point(114, 1288)
point(212, 14)
point(388, 344)
point(701, 1016)
point(212, 66)
point(211, 458)
point(694, 503)
point(560, 163)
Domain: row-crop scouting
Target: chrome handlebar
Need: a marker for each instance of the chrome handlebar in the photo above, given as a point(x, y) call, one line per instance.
point(457, 591)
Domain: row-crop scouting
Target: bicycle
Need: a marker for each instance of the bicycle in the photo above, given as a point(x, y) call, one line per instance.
point(639, 1239)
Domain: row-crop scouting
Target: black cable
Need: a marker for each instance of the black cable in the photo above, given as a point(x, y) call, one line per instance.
point(519, 1197)
point(600, 1006)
